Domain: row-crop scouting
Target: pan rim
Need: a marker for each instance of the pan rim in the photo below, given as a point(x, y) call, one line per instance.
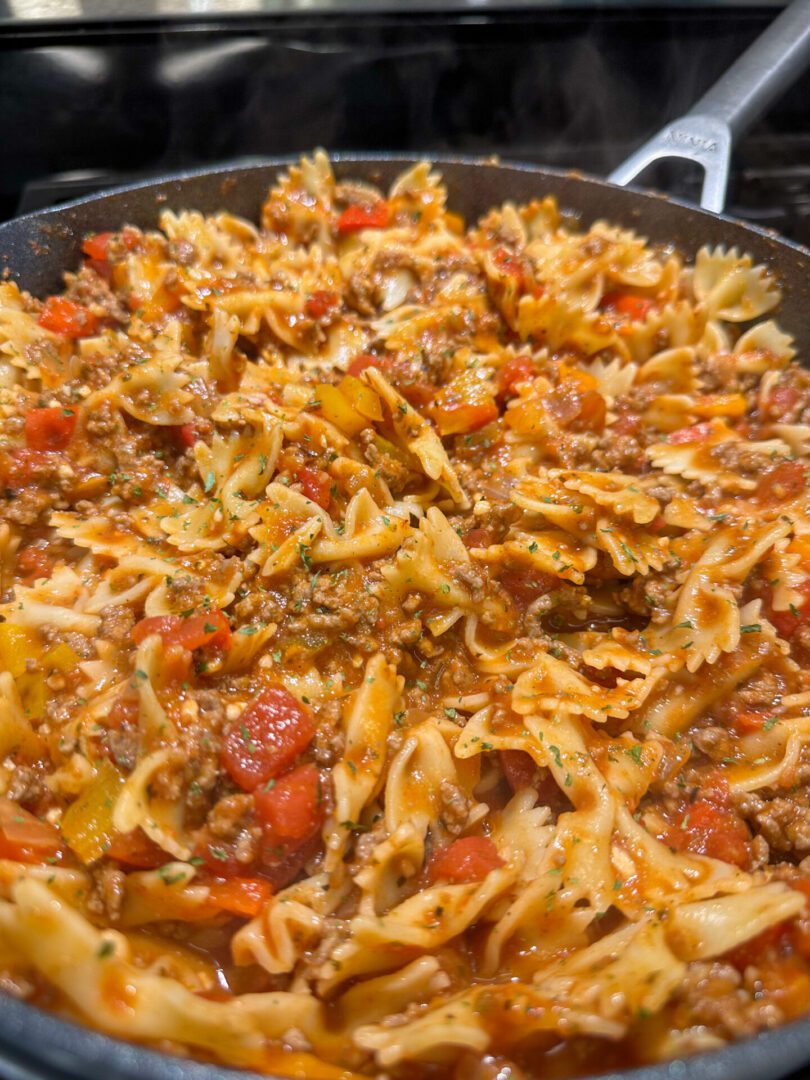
point(225, 168)
point(38, 1042)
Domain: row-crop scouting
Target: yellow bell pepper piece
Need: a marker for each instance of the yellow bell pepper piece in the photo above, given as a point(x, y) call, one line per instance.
point(18, 644)
point(87, 823)
point(336, 408)
point(61, 658)
point(362, 397)
point(31, 688)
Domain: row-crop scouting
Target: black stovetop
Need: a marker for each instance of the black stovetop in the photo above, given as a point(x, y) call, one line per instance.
point(89, 103)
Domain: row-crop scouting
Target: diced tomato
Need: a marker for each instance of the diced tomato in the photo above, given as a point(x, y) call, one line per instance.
point(34, 562)
point(416, 392)
point(524, 586)
point(626, 424)
point(24, 838)
point(65, 317)
point(478, 538)
point(517, 369)
point(782, 482)
point(509, 263)
point(788, 622)
point(464, 417)
point(194, 632)
point(321, 303)
point(97, 246)
point(49, 429)
point(243, 896)
point(219, 857)
point(291, 808)
point(315, 484)
point(469, 859)
point(781, 400)
point(635, 308)
point(21, 466)
point(518, 768)
point(576, 408)
point(282, 865)
point(777, 942)
point(136, 849)
point(748, 721)
point(696, 433)
point(755, 949)
point(185, 435)
point(355, 218)
point(363, 361)
point(124, 712)
point(267, 738)
point(709, 826)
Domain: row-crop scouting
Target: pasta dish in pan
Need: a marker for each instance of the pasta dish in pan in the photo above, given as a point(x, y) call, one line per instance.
point(404, 640)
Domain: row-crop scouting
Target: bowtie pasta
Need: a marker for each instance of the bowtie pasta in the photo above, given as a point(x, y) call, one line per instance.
point(403, 631)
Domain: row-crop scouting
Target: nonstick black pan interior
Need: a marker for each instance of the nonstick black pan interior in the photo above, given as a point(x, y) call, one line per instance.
point(36, 250)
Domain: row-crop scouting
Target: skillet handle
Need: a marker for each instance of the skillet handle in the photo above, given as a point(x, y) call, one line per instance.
point(736, 100)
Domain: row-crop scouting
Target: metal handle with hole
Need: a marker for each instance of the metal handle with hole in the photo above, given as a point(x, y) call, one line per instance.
point(706, 133)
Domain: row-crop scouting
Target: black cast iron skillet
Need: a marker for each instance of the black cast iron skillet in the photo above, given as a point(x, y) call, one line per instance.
point(36, 249)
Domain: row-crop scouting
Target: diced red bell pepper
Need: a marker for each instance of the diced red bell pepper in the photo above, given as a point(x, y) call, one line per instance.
point(355, 218)
point(267, 738)
point(65, 317)
point(49, 429)
point(466, 860)
point(194, 632)
point(315, 484)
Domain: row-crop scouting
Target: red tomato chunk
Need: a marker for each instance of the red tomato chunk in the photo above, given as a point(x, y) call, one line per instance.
point(355, 218)
point(71, 320)
point(525, 586)
point(517, 369)
point(192, 633)
point(315, 484)
point(695, 433)
point(518, 768)
point(267, 738)
point(363, 361)
point(636, 308)
point(49, 429)
point(782, 482)
point(291, 809)
point(97, 246)
point(242, 896)
point(469, 859)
